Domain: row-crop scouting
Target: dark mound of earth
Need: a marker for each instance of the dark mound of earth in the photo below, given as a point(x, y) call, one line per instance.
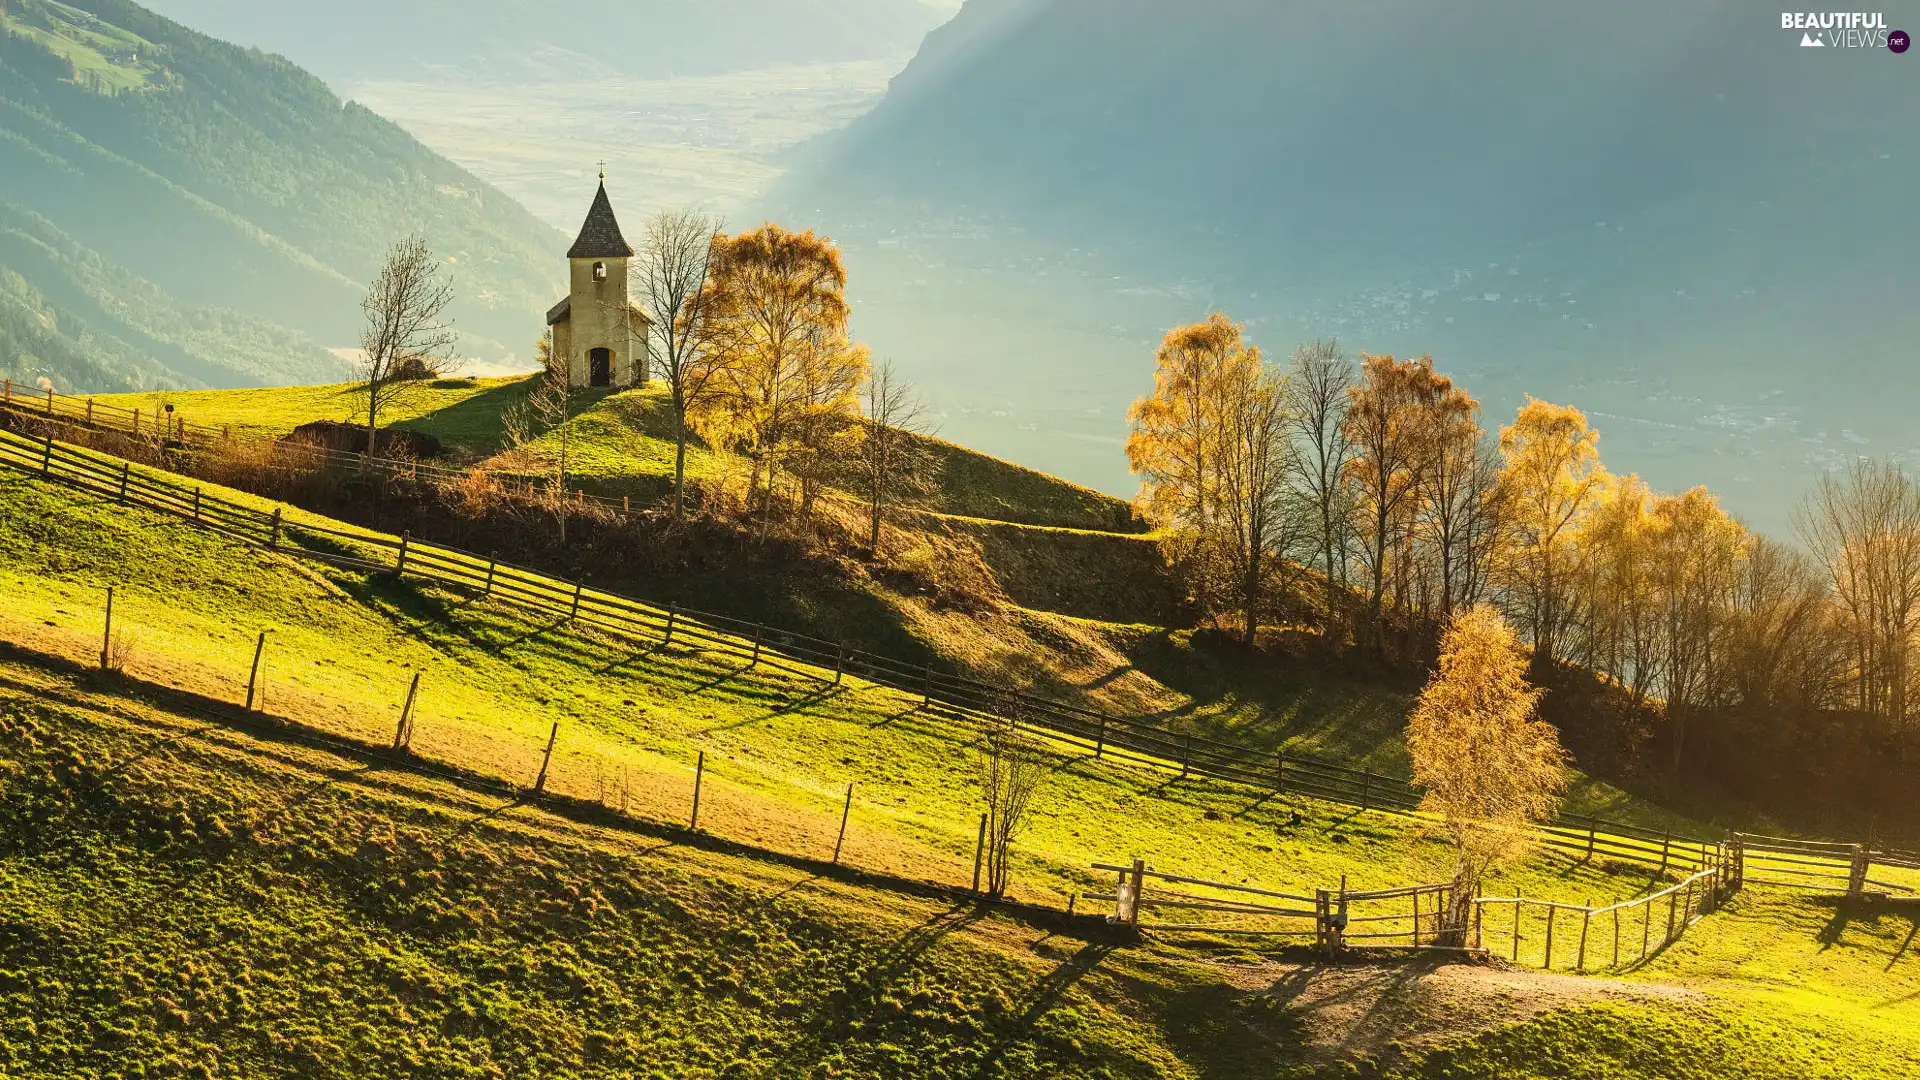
point(352, 438)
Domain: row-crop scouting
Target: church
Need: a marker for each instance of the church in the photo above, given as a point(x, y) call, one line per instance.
point(599, 331)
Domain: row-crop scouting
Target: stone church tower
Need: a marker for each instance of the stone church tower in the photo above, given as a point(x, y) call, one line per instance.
point(598, 329)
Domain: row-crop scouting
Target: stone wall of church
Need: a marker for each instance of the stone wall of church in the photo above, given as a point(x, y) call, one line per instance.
point(601, 319)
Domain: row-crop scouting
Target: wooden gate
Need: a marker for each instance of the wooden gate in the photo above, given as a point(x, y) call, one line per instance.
point(1202, 906)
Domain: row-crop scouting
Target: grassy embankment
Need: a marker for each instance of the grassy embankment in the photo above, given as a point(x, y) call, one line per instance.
point(207, 904)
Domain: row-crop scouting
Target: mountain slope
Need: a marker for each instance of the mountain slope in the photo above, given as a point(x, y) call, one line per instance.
point(506, 39)
point(1672, 209)
point(228, 181)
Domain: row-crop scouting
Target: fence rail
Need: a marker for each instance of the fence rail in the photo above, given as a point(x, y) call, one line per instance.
point(947, 696)
point(1426, 918)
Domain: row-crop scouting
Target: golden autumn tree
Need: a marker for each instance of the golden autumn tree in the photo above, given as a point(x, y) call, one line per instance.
point(1619, 586)
point(1253, 526)
point(1490, 768)
point(1695, 558)
point(1176, 429)
point(1550, 477)
point(1180, 435)
point(1389, 428)
point(783, 381)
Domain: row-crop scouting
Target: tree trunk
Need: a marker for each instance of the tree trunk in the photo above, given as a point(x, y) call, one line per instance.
point(679, 459)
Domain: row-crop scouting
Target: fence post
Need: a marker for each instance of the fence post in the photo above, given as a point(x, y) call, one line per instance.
point(1478, 907)
point(839, 663)
point(926, 685)
point(1586, 923)
point(1279, 772)
point(106, 639)
point(1100, 740)
point(46, 457)
point(1337, 940)
point(89, 412)
point(1323, 921)
point(403, 735)
point(487, 589)
point(672, 611)
point(758, 632)
point(579, 586)
point(842, 838)
point(1416, 918)
point(1666, 845)
point(49, 401)
point(1616, 935)
point(699, 778)
point(1138, 881)
point(979, 852)
point(400, 564)
point(1857, 875)
point(540, 782)
point(1551, 908)
point(1366, 790)
point(126, 468)
point(1516, 931)
point(9, 392)
point(1186, 755)
point(253, 678)
point(136, 423)
point(196, 504)
point(1673, 904)
point(273, 531)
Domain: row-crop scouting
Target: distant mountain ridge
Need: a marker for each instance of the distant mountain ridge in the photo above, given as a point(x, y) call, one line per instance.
point(349, 40)
point(224, 188)
point(1667, 212)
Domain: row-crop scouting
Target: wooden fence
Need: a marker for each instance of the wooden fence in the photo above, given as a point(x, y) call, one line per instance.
point(1421, 917)
point(171, 430)
point(1613, 936)
point(945, 696)
point(1821, 866)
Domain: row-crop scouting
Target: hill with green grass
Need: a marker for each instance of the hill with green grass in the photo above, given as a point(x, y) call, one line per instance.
point(212, 893)
point(180, 211)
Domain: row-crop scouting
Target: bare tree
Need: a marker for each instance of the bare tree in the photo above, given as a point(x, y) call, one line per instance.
point(1012, 772)
point(1317, 408)
point(674, 262)
point(891, 461)
point(1863, 527)
point(547, 408)
point(408, 334)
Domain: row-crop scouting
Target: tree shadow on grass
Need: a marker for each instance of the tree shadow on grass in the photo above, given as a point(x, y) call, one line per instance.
point(1041, 999)
point(836, 1017)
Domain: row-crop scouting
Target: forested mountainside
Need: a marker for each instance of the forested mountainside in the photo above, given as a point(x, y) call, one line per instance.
point(523, 39)
point(179, 206)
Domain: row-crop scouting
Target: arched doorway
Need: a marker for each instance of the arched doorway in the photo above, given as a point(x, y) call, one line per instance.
point(600, 367)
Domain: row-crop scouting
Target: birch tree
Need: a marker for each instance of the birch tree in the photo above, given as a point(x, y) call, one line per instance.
point(1490, 768)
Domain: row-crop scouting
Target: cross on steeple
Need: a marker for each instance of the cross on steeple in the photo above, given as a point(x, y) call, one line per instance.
point(603, 168)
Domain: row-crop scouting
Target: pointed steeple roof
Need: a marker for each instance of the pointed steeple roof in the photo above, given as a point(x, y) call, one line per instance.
point(600, 235)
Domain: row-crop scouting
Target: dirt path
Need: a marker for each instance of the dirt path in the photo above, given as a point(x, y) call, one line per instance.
point(1386, 1010)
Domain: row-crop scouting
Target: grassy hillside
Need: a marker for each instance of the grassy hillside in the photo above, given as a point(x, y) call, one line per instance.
point(1084, 614)
point(166, 190)
point(218, 904)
